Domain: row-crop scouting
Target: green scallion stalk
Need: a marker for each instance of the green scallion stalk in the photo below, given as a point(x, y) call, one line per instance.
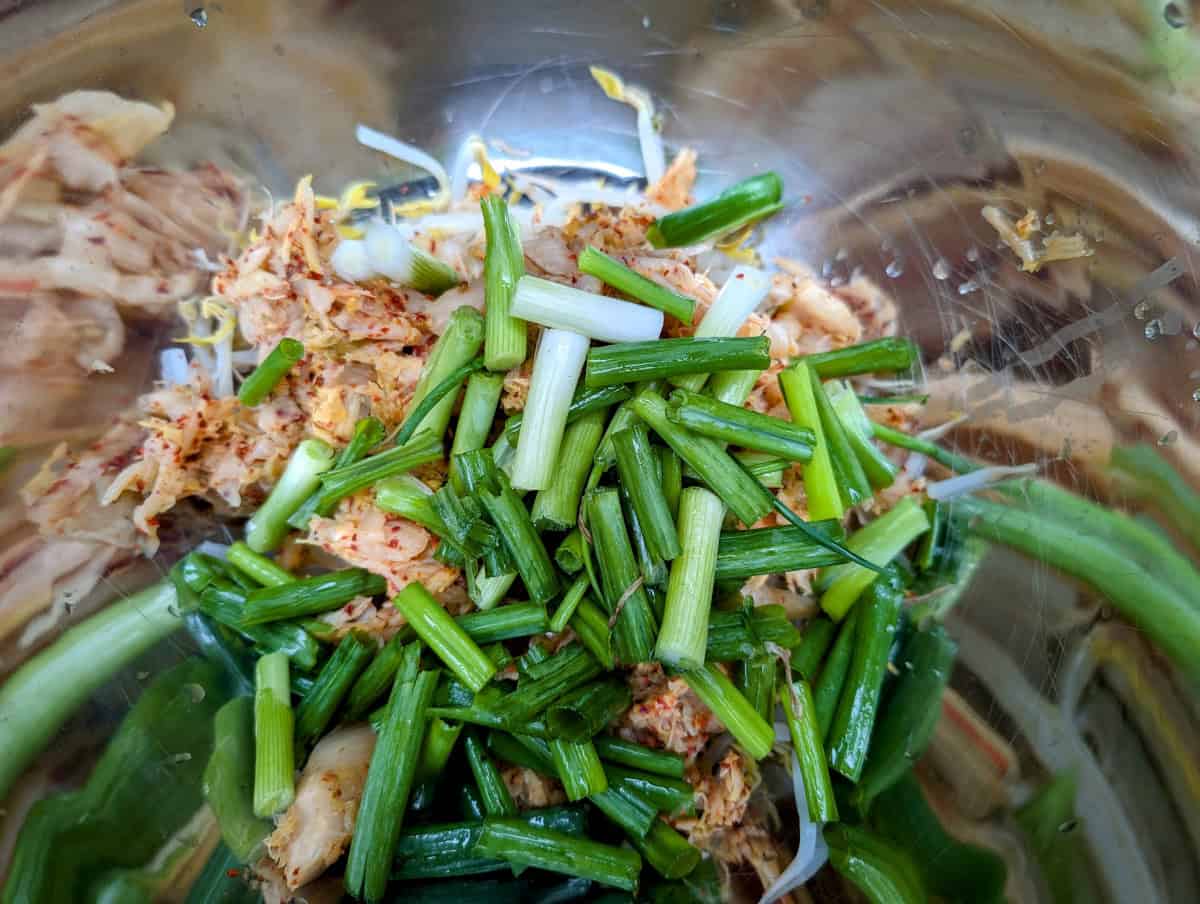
point(517, 842)
point(881, 871)
point(225, 603)
point(523, 750)
point(624, 279)
point(741, 633)
point(586, 711)
point(1154, 480)
point(490, 591)
point(578, 768)
point(717, 692)
point(814, 644)
point(766, 469)
point(457, 346)
point(744, 290)
point(684, 635)
point(269, 525)
point(851, 478)
point(623, 417)
point(566, 670)
point(556, 369)
point(477, 714)
point(229, 778)
point(880, 355)
point(653, 569)
point(739, 426)
point(756, 681)
point(747, 499)
point(634, 629)
point(774, 550)
point(733, 387)
point(333, 683)
point(880, 542)
point(631, 362)
point(274, 760)
point(879, 469)
point(503, 266)
point(408, 497)
point(389, 779)
point(369, 432)
point(591, 626)
point(504, 622)
point(568, 604)
point(740, 204)
point(425, 415)
point(800, 711)
point(492, 790)
point(436, 748)
point(670, 795)
point(561, 307)
point(570, 552)
point(556, 507)
point(444, 636)
point(828, 688)
point(258, 568)
point(264, 378)
point(521, 539)
point(668, 852)
point(671, 469)
point(475, 418)
point(585, 401)
point(390, 254)
point(626, 808)
point(339, 483)
point(471, 805)
point(310, 596)
point(376, 678)
point(944, 457)
point(820, 483)
point(635, 756)
point(637, 466)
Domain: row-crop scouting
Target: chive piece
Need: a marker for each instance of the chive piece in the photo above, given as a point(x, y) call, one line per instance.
point(264, 378)
point(671, 855)
point(561, 307)
point(956, 463)
point(814, 644)
point(591, 626)
point(375, 680)
point(733, 387)
point(444, 636)
point(800, 711)
point(624, 279)
point(570, 552)
point(881, 871)
point(585, 712)
point(557, 365)
point(717, 692)
point(556, 507)
point(225, 603)
point(670, 795)
point(523, 750)
point(635, 756)
point(684, 635)
point(490, 591)
point(342, 482)
point(389, 779)
point(476, 714)
point(625, 807)
point(492, 790)
point(633, 631)
point(638, 470)
point(630, 362)
point(652, 568)
point(1153, 478)
point(739, 634)
point(742, 554)
point(623, 417)
point(409, 497)
point(578, 768)
point(851, 478)
point(257, 567)
point(740, 204)
point(828, 688)
point(585, 401)
point(672, 478)
point(331, 687)
point(229, 776)
point(426, 415)
point(880, 470)
point(517, 842)
point(389, 253)
point(820, 484)
point(747, 499)
point(310, 596)
point(756, 681)
point(504, 622)
point(888, 354)
point(568, 604)
point(880, 541)
point(369, 432)
point(744, 290)
point(520, 537)
point(274, 761)
point(503, 266)
point(766, 469)
point(436, 748)
point(739, 426)
point(566, 670)
point(471, 803)
point(475, 418)
point(268, 526)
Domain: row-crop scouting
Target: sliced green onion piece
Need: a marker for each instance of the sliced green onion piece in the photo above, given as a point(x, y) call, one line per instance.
point(881, 871)
point(409, 497)
point(672, 478)
point(517, 842)
point(596, 316)
point(584, 713)
point(684, 635)
point(740, 204)
point(569, 603)
point(505, 622)
point(456, 347)
point(556, 368)
point(673, 796)
point(744, 290)
point(566, 670)
point(331, 687)
point(228, 774)
point(426, 411)
point(556, 507)
point(475, 419)
point(667, 851)
point(736, 425)
point(888, 354)
point(630, 362)
point(524, 545)
point(828, 688)
point(774, 550)
point(269, 525)
point(274, 761)
point(624, 279)
point(880, 470)
point(390, 254)
point(339, 483)
point(258, 567)
point(375, 680)
point(503, 266)
point(585, 402)
point(369, 432)
point(591, 625)
point(801, 715)
point(637, 466)
point(624, 597)
point(944, 457)
point(625, 807)
point(756, 681)
point(851, 478)
point(733, 387)
point(635, 756)
point(743, 632)
point(492, 790)
point(444, 636)
point(578, 768)
point(570, 552)
point(820, 485)
point(310, 596)
point(717, 692)
point(270, 371)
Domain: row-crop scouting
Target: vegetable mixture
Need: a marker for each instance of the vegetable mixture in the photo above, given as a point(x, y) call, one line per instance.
point(557, 522)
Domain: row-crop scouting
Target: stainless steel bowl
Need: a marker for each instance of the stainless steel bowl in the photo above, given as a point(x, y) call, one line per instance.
point(893, 123)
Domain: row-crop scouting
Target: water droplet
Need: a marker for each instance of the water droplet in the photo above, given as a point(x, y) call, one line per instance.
point(195, 691)
point(1174, 16)
point(1169, 437)
point(1153, 330)
point(199, 16)
point(645, 21)
point(179, 758)
point(941, 269)
point(1141, 309)
point(1069, 826)
point(972, 254)
point(895, 269)
point(968, 287)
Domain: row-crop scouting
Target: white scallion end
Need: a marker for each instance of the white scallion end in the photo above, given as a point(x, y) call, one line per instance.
point(744, 291)
point(556, 370)
point(351, 262)
point(389, 254)
point(564, 308)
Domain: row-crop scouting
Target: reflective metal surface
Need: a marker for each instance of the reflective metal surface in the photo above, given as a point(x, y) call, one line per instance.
point(892, 123)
